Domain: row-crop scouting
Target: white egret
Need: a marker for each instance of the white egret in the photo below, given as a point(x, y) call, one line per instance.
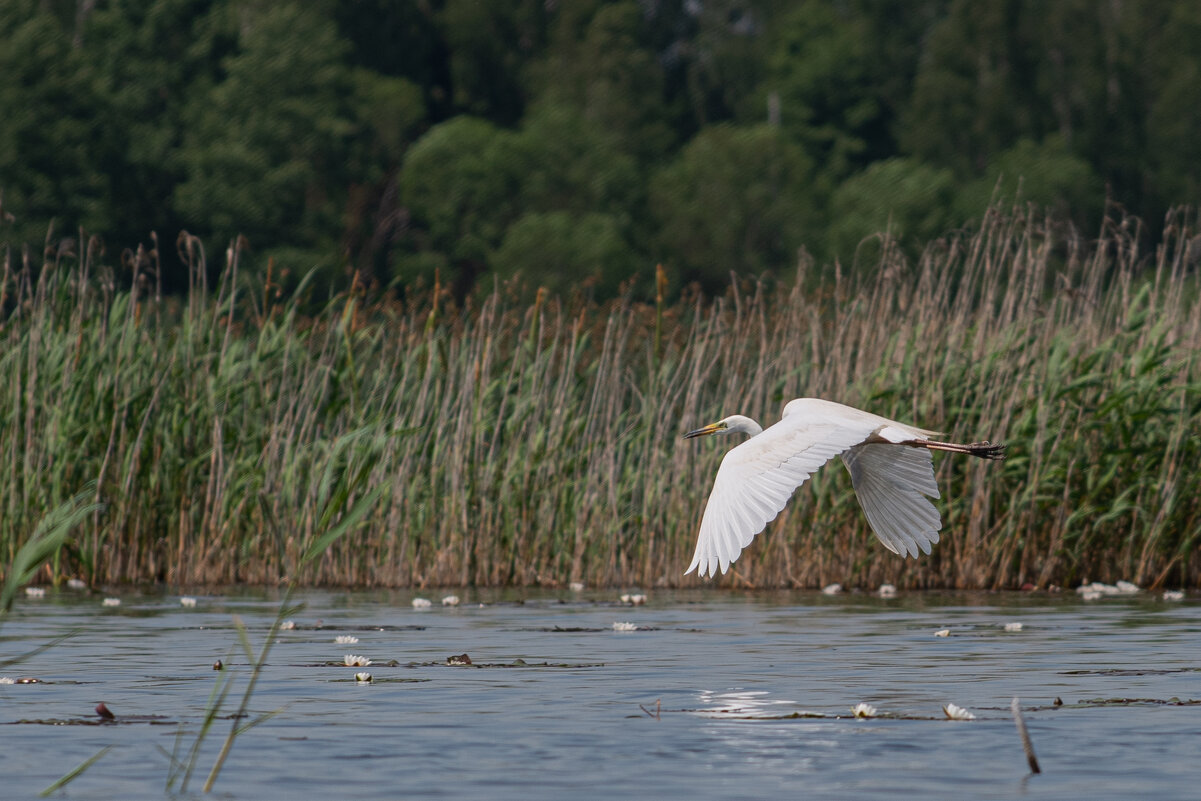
point(890, 463)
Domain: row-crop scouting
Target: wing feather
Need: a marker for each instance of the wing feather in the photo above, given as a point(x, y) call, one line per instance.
point(892, 482)
point(757, 478)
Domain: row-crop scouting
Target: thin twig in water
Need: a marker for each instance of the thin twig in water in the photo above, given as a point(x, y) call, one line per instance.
point(1025, 735)
point(658, 707)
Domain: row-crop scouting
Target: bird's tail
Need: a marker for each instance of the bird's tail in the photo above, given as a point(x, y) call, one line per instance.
point(985, 450)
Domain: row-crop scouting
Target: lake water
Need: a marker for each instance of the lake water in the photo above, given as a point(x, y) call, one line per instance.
point(716, 695)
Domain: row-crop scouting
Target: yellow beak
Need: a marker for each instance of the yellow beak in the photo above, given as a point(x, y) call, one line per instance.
point(712, 428)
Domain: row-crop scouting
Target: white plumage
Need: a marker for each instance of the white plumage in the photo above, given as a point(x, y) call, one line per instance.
point(890, 464)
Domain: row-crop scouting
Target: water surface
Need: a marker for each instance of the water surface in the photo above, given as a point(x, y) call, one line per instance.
point(716, 695)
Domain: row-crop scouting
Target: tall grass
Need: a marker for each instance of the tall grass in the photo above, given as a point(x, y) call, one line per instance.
point(518, 443)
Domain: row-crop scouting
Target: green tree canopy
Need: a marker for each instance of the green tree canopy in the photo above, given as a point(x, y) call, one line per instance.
point(489, 46)
point(1045, 173)
point(904, 197)
point(563, 251)
point(54, 127)
point(736, 198)
point(460, 182)
point(396, 139)
point(820, 76)
point(565, 161)
point(599, 64)
point(265, 146)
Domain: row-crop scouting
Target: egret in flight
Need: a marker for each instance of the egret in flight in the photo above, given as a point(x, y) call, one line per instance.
point(890, 463)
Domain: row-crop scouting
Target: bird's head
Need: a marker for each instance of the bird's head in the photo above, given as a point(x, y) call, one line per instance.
point(727, 425)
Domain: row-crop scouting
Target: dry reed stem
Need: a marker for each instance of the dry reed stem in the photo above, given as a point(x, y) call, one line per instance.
point(540, 444)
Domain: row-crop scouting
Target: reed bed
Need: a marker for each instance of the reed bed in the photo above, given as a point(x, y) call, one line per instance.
point(510, 442)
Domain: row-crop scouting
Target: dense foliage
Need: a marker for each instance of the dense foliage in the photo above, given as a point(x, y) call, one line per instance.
point(515, 442)
point(583, 138)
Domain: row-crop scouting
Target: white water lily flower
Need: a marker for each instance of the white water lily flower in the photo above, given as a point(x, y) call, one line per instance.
point(1013, 626)
point(576, 586)
point(35, 592)
point(287, 625)
point(77, 584)
point(1098, 588)
point(887, 591)
point(450, 600)
point(1091, 595)
point(363, 677)
point(624, 627)
point(352, 660)
point(1128, 588)
point(862, 710)
point(111, 602)
point(346, 639)
point(421, 603)
point(943, 633)
point(1173, 595)
point(957, 712)
point(636, 600)
point(831, 589)
point(187, 602)
point(7, 680)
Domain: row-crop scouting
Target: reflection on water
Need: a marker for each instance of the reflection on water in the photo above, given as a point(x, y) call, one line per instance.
point(709, 695)
point(746, 704)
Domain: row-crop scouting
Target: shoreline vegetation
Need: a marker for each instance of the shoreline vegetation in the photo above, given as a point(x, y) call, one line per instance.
point(519, 442)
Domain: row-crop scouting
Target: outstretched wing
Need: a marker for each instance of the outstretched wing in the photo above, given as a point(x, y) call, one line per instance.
point(757, 478)
point(891, 482)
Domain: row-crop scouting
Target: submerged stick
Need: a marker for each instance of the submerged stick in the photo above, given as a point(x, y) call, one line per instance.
point(1031, 759)
point(655, 714)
